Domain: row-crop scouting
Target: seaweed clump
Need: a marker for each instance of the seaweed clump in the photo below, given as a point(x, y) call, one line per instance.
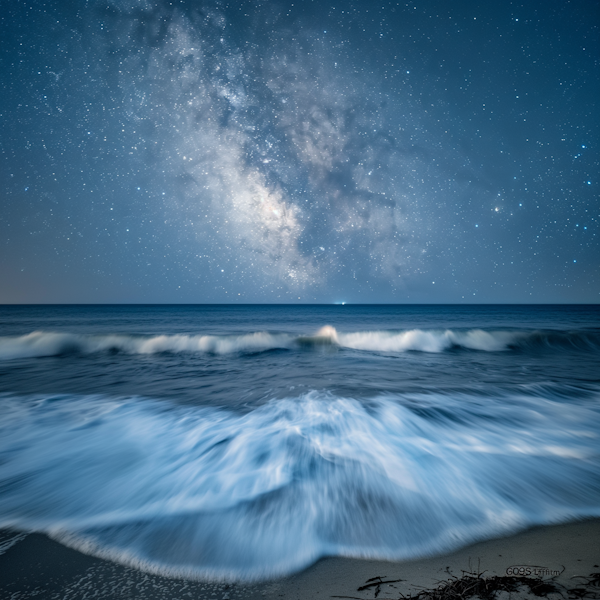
point(588, 588)
point(473, 583)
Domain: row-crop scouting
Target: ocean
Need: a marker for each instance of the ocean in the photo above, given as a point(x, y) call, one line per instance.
point(247, 442)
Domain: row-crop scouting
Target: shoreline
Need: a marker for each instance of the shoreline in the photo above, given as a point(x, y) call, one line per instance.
point(37, 567)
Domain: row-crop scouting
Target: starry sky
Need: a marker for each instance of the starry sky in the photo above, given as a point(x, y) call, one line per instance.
point(253, 151)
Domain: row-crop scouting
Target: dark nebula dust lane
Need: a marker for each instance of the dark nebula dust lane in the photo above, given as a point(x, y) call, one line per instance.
point(285, 152)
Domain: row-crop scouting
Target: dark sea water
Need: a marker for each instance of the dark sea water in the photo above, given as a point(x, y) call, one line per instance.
point(248, 441)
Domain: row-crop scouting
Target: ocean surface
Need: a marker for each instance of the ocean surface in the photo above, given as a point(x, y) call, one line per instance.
point(246, 442)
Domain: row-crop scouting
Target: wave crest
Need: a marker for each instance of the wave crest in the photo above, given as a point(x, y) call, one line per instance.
point(41, 343)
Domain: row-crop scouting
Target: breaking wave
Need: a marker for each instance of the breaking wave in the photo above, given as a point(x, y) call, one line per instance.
point(41, 343)
point(208, 492)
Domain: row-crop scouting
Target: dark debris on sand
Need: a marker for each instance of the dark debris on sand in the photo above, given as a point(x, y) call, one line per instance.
point(473, 584)
point(589, 587)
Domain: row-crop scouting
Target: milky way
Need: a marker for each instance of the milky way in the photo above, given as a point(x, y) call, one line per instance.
point(200, 152)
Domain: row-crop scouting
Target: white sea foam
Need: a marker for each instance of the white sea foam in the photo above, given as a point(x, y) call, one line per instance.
point(9, 539)
point(214, 493)
point(42, 343)
point(428, 341)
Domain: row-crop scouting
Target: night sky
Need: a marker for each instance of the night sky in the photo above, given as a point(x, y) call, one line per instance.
point(199, 151)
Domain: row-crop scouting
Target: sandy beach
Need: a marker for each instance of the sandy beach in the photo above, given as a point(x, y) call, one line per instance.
point(35, 566)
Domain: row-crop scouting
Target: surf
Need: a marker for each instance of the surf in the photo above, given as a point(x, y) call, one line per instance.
point(39, 344)
point(215, 493)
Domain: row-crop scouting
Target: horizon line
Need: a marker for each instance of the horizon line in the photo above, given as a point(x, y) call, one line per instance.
point(345, 303)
